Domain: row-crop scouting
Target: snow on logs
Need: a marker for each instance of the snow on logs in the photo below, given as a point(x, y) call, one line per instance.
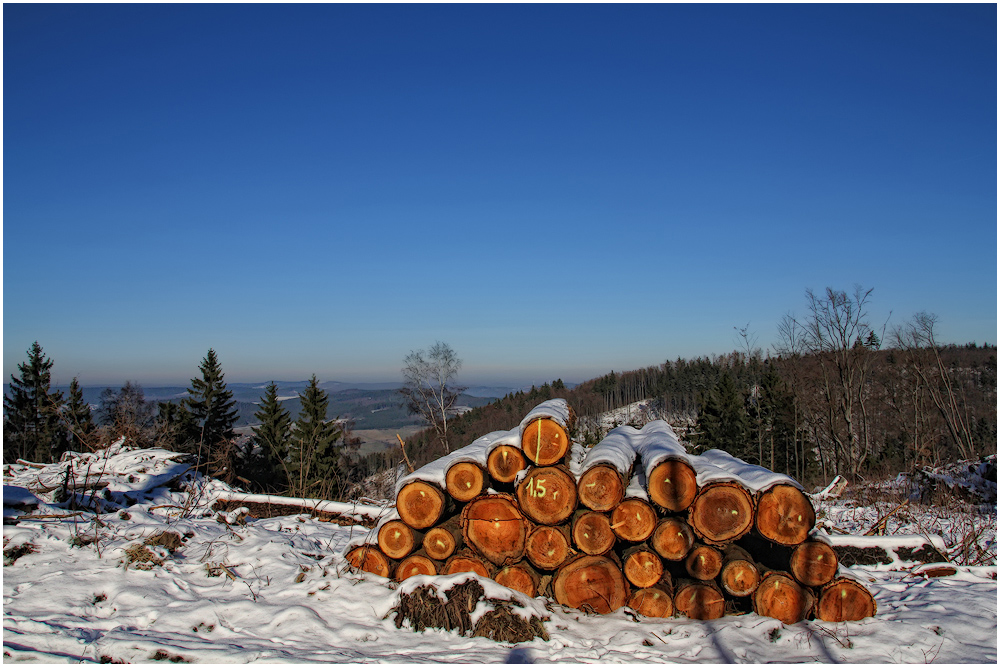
point(639, 522)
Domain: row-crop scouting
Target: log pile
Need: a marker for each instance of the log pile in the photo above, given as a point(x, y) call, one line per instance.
point(639, 522)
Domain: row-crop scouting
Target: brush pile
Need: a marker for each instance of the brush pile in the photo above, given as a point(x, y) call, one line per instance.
point(637, 522)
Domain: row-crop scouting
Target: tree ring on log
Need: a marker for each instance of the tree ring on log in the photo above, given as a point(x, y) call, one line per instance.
point(653, 602)
point(673, 539)
point(420, 504)
point(494, 526)
point(368, 558)
point(721, 513)
point(504, 462)
point(414, 565)
point(785, 515)
point(699, 600)
point(547, 495)
point(591, 583)
point(601, 488)
point(396, 539)
point(845, 600)
point(780, 596)
point(592, 533)
point(813, 563)
point(672, 485)
point(633, 520)
point(464, 481)
point(544, 441)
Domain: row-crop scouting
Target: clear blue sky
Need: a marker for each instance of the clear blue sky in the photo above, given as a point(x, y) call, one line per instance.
point(553, 190)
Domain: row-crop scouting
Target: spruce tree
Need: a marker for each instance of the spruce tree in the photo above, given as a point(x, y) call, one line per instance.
point(79, 419)
point(268, 465)
point(32, 425)
point(211, 410)
point(722, 421)
point(315, 458)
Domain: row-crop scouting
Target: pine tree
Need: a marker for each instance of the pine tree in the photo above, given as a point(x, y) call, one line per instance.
point(32, 426)
point(267, 465)
point(315, 458)
point(722, 421)
point(211, 411)
point(79, 419)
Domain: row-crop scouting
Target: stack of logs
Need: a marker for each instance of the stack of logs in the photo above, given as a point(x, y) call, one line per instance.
point(642, 523)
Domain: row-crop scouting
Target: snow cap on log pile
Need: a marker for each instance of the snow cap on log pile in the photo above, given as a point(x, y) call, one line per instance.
point(601, 488)
point(435, 471)
point(618, 449)
point(755, 478)
point(545, 432)
point(556, 409)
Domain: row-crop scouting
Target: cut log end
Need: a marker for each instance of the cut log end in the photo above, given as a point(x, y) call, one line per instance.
point(633, 520)
point(545, 442)
point(547, 495)
point(672, 485)
point(414, 565)
point(467, 561)
point(704, 562)
point(464, 481)
point(396, 539)
point(673, 539)
point(592, 533)
point(740, 578)
point(642, 568)
point(504, 462)
point(845, 600)
point(518, 577)
point(785, 515)
point(369, 559)
point(495, 528)
point(780, 596)
point(548, 547)
point(721, 513)
point(700, 601)
point(813, 563)
point(654, 602)
point(420, 504)
point(601, 488)
point(440, 542)
point(591, 583)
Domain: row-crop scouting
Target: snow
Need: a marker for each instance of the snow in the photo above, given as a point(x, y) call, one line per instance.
point(617, 449)
point(753, 477)
point(556, 409)
point(435, 471)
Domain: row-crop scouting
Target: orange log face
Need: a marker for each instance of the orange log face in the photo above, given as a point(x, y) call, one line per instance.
point(440, 543)
point(633, 520)
point(591, 583)
point(370, 559)
point(592, 533)
point(673, 539)
point(672, 485)
point(547, 495)
point(518, 578)
point(740, 578)
point(785, 515)
point(396, 539)
point(505, 462)
point(845, 600)
point(653, 602)
point(464, 481)
point(780, 596)
point(544, 442)
point(414, 565)
point(495, 528)
point(466, 563)
point(420, 504)
point(601, 488)
point(813, 563)
point(547, 547)
point(704, 562)
point(643, 569)
point(721, 513)
point(700, 602)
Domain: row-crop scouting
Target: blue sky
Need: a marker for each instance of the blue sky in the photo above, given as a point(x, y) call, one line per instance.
point(553, 190)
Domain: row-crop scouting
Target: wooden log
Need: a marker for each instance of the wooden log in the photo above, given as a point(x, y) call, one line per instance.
point(592, 533)
point(466, 560)
point(642, 566)
point(504, 462)
point(704, 562)
point(591, 583)
point(633, 520)
point(415, 564)
point(780, 596)
point(420, 504)
point(721, 513)
point(813, 563)
point(672, 485)
point(440, 542)
point(548, 547)
point(785, 515)
point(654, 601)
point(699, 600)
point(844, 599)
point(465, 480)
point(545, 442)
point(673, 539)
point(601, 488)
point(369, 558)
point(519, 577)
point(495, 528)
point(740, 575)
point(397, 540)
point(547, 494)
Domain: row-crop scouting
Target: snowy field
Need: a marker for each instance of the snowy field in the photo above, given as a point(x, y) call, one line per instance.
point(277, 590)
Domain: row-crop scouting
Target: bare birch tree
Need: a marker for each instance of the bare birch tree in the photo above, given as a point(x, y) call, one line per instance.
point(428, 387)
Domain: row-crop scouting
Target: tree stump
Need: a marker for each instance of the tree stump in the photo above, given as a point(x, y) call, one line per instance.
point(813, 563)
point(844, 600)
point(547, 495)
point(721, 513)
point(633, 520)
point(368, 558)
point(464, 481)
point(655, 602)
point(642, 566)
point(420, 504)
point(495, 528)
point(780, 596)
point(504, 462)
point(704, 562)
point(548, 547)
point(415, 564)
point(440, 542)
point(397, 540)
point(592, 533)
point(785, 515)
point(601, 488)
point(673, 539)
point(699, 600)
point(591, 583)
point(545, 442)
point(672, 485)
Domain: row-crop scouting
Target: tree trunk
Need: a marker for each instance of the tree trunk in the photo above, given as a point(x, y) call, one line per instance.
point(642, 567)
point(844, 600)
point(465, 480)
point(601, 488)
point(519, 577)
point(548, 547)
point(547, 495)
point(467, 560)
point(494, 527)
point(813, 563)
point(785, 515)
point(673, 539)
point(504, 462)
point(721, 513)
point(420, 504)
point(415, 564)
point(704, 562)
point(740, 575)
point(699, 600)
point(397, 540)
point(591, 583)
point(592, 533)
point(633, 520)
point(369, 558)
point(545, 442)
point(654, 601)
point(440, 542)
point(780, 596)
point(672, 485)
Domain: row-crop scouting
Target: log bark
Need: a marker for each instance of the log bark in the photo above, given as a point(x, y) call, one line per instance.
point(699, 600)
point(519, 577)
point(420, 504)
point(495, 528)
point(642, 566)
point(601, 488)
point(465, 480)
point(440, 542)
point(785, 515)
point(467, 560)
point(673, 539)
point(633, 520)
point(369, 558)
point(813, 563)
point(592, 533)
point(780, 596)
point(415, 564)
point(740, 575)
point(672, 485)
point(721, 513)
point(545, 442)
point(591, 583)
point(547, 495)
point(548, 547)
point(397, 540)
point(654, 601)
point(845, 600)
point(704, 562)
point(504, 462)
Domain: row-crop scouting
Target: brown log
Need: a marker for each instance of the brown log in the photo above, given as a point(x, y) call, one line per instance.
point(547, 495)
point(721, 513)
point(519, 577)
point(544, 441)
point(415, 564)
point(642, 566)
point(397, 540)
point(467, 560)
point(740, 575)
point(369, 558)
point(420, 504)
point(704, 562)
point(673, 538)
point(548, 547)
point(465, 480)
point(785, 515)
point(672, 485)
point(633, 520)
point(655, 602)
point(592, 533)
point(440, 542)
point(813, 563)
point(845, 600)
point(591, 583)
point(504, 462)
point(699, 600)
point(495, 528)
point(780, 596)
point(601, 488)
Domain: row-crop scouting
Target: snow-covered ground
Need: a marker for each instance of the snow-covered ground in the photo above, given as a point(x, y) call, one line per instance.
point(277, 590)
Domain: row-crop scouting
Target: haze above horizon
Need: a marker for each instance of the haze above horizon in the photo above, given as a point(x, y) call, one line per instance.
point(556, 191)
